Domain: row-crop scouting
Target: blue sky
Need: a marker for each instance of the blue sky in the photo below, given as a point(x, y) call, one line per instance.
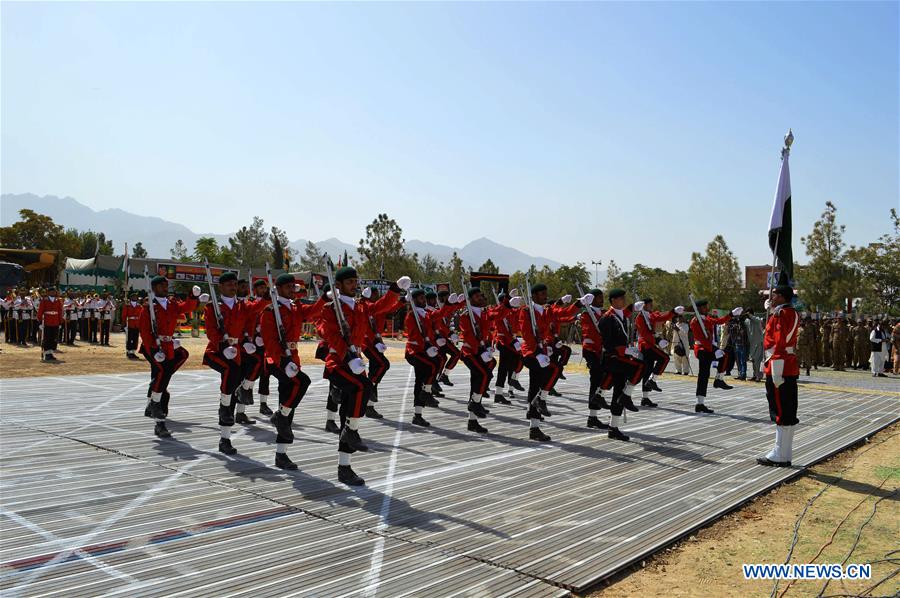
point(626, 131)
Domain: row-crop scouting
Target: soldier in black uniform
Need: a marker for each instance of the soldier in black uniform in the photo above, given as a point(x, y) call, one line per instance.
point(622, 368)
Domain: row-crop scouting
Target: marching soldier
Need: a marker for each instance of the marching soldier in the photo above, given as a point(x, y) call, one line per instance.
point(260, 367)
point(621, 365)
point(422, 354)
point(478, 355)
point(782, 372)
point(561, 351)
point(706, 351)
point(839, 341)
point(50, 315)
point(592, 352)
point(376, 309)
point(163, 352)
point(655, 358)
point(131, 315)
point(503, 315)
point(440, 313)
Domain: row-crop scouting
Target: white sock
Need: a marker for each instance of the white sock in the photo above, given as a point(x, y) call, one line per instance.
point(330, 415)
point(240, 408)
point(343, 458)
point(353, 423)
point(156, 397)
point(476, 397)
point(645, 394)
point(280, 448)
point(594, 413)
point(629, 389)
point(247, 384)
point(615, 421)
point(535, 423)
point(225, 431)
point(285, 411)
point(225, 400)
point(263, 398)
point(700, 399)
point(720, 376)
point(472, 416)
point(418, 410)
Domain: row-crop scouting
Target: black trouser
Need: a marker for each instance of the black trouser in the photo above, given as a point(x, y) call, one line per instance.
point(595, 367)
point(72, 330)
point(104, 331)
point(618, 370)
point(426, 369)
point(509, 362)
point(355, 390)
point(251, 364)
point(161, 371)
point(480, 373)
point(540, 378)
point(49, 340)
point(782, 401)
point(655, 362)
point(131, 339)
point(94, 325)
point(83, 331)
point(706, 358)
point(264, 376)
point(378, 365)
point(12, 330)
point(229, 369)
point(562, 355)
point(290, 392)
point(23, 332)
point(449, 356)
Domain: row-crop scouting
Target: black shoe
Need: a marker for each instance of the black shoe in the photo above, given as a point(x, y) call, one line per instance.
point(283, 426)
point(515, 384)
point(351, 438)
point(537, 434)
point(542, 408)
point(615, 434)
point(346, 475)
point(156, 410)
point(721, 384)
point(553, 393)
point(282, 461)
point(445, 379)
point(594, 422)
point(225, 447)
point(648, 403)
point(147, 412)
point(562, 376)
point(264, 409)
point(245, 395)
point(430, 401)
point(418, 420)
point(372, 412)
point(745, 377)
point(438, 393)
point(602, 403)
point(50, 357)
point(241, 418)
point(628, 403)
point(499, 398)
point(160, 430)
point(474, 426)
point(882, 375)
point(702, 409)
point(226, 417)
point(652, 385)
point(477, 409)
point(765, 461)
point(331, 426)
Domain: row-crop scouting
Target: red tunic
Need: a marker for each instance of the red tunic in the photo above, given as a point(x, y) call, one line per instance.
point(704, 342)
point(292, 318)
point(131, 314)
point(50, 312)
point(543, 319)
point(780, 340)
point(418, 342)
point(591, 339)
point(472, 343)
point(646, 335)
point(235, 323)
point(166, 321)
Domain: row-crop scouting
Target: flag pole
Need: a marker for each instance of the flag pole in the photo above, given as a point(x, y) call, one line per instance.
point(785, 151)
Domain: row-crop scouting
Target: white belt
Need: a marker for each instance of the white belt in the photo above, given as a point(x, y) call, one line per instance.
point(231, 341)
point(165, 339)
point(50, 313)
point(292, 345)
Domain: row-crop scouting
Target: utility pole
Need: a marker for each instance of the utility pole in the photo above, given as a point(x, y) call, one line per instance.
point(596, 272)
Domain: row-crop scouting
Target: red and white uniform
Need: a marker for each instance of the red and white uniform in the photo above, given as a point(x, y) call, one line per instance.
point(131, 314)
point(293, 315)
point(780, 342)
point(356, 315)
point(474, 343)
point(416, 341)
point(234, 316)
point(167, 312)
point(645, 323)
point(591, 339)
point(704, 342)
point(50, 312)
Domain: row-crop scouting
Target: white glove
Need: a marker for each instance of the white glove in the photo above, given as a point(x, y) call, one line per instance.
point(486, 356)
point(633, 352)
point(404, 282)
point(679, 310)
point(195, 291)
point(367, 293)
point(720, 353)
point(454, 337)
point(431, 352)
point(452, 298)
point(249, 348)
point(767, 304)
point(737, 311)
point(558, 345)
point(441, 342)
point(586, 300)
point(543, 360)
point(638, 306)
point(40, 327)
point(176, 343)
point(777, 369)
point(357, 366)
point(517, 345)
point(297, 288)
point(159, 357)
point(229, 352)
point(381, 347)
point(549, 351)
point(663, 344)
point(566, 299)
point(516, 302)
point(354, 349)
point(259, 341)
point(291, 369)
point(204, 298)
point(514, 293)
point(328, 295)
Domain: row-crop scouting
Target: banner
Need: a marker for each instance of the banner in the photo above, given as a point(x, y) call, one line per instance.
point(189, 273)
point(500, 280)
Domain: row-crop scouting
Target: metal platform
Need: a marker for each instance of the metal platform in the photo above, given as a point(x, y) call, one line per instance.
point(94, 504)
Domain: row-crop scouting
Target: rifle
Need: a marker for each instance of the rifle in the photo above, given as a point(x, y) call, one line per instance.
point(475, 330)
point(530, 305)
point(276, 309)
point(698, 316)
point(412, 306)
point(496, 296)
point(589, 309)
point(151, 308)
point(338, 311)
point(220, 321)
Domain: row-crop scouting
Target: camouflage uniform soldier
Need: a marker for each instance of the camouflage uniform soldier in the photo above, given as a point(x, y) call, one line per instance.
point(863, 346)
point(839, 338)
point(817, 344)
point(850, 353)
point(826, 342)
point(805, 344)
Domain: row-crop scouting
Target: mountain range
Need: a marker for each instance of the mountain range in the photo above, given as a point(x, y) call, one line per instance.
point(158, 236)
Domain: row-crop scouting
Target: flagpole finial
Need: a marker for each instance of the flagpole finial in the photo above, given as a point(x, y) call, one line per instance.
point(788, 141)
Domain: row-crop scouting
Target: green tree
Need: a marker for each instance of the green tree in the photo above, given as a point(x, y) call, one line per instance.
point(565, 280)
point(138, 250)
point(715, 274)
point(431, 270)
point(33, 231)
point(179, 252)
point(280, 248)
point(878, 265)
point(384, 245)
point(827, 280)
point(250, 245)
point(613, 276)
point(93, 243)
point(455, 272)
point(312, 259)
point(489, 267)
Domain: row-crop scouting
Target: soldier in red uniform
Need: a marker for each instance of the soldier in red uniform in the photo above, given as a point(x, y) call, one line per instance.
point(478, 355)
point(561, 352)
point(707, 351)
point(504, 316)
point(50, 316)
point(377, 311)
point(592, 352)
point(441, 309)
point(782, 372)
point(281, 352)
point(655, 359)
point(164, 353)
point(131, 316)
point(258, 366)
point(621, 365)
point(344, 367)
point(421, 353)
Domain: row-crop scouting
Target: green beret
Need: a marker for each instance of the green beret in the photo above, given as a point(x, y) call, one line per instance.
point(596, 292)
point(647, 299)
point(345, 273)
point(285, 279)
point(227, 276)
point(701, 302)
point(473, 291)
point(431, 295)
point(261, 282)
point(537, 288)
point(325, 288)
point(417, 293)
point(616, 293)
point(785, 291)
point(158, 280)
point(443, 293)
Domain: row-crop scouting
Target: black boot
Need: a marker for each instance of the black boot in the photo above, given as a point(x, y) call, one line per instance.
point(537, 434)
point(226, 417)
point(474, 426)
point(628, 403)
point(477, 409)
point(225, 447)
point(553, 393)
point(445, 379)
point(147, 412)
point(282, 461)
point(616, 434)
point(245, 395)
point(264, 409)
point(645, 402)
point(164, 401)
point(283, 426)
point(331, 426)
point(418, 420)
point(429, 401)
point(156, 410)
point(515, 384)
point(499, 398)
point(652, 385)
point(594, 422)
point(351, 438)
point(542, 408)
point(241, 418)
point(562, 376)
point(346, 475)
point(765, 461)
point(698, 408)
point(372, 412)
point(161, 430)
point(721, 384)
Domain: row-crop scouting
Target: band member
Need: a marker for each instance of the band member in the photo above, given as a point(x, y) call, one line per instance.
point(84, 321)
point(441, 310)
point(70, 308)
point(621, 367)
point(422, 354)
point(131, 315)
point(94, 318)
point(223, 351)
point(164, 353)
point(782, 372)
point(654, 357)
point(281, 352)
point(706, 350)
point(592, 352)
point(105, 309)
point(50, 315)
point(344, 366)
point(377, 310)
point(22, 308)
point(477, 354)
point(503, 316)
